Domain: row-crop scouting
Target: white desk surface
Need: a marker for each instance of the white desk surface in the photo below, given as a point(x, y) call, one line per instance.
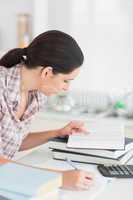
point(119, 189)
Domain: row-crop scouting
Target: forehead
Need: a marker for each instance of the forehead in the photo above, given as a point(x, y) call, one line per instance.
point(70, 75)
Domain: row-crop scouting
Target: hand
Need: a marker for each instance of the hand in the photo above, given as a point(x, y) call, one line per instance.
point(72, 127)
point(77, 180)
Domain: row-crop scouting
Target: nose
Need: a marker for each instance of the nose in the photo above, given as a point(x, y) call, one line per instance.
point(66, 88)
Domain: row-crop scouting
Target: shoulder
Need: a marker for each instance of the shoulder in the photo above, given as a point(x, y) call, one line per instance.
point(7, 74)
point(42, 100)
point(3, 81)
point(3, 78)
point(8, 84)
point(3, 72)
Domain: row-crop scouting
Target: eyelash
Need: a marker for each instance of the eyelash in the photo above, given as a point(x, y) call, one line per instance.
point(66, 81)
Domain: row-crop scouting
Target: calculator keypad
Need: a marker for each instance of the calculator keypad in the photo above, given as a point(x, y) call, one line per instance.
point(119, 171)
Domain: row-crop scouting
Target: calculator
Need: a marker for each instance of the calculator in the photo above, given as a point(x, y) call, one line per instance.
point(118, 171)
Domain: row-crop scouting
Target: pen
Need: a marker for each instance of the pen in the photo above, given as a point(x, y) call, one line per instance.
point(71, 163)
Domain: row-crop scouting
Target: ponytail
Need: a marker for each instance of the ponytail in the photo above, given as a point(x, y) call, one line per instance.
point(13, 57)
point(52, 48)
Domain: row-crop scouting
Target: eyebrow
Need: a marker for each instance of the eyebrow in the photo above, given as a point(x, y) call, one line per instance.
point(69, 79)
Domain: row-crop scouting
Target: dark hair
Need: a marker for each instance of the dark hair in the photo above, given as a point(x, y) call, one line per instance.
point(52, 48)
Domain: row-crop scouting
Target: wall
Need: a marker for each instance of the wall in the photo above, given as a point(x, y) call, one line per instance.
point(104, 30)
point(8, 20)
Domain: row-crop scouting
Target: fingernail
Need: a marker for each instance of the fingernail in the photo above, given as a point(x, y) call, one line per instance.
point(89, 178)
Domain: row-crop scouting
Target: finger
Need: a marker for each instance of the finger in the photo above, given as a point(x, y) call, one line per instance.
point(86, 183)
point(69, 133)
point(84, 180)
point(73, 131)
point(79, 126)
point(82, 129)
point(83, 186)
point(76, 123)
point(87, 175)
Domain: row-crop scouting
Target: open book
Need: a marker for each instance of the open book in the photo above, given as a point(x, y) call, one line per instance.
point(61, 144)
point(103, 134)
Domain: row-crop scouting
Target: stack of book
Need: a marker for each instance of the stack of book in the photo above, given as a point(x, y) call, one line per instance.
point(61, 151)
point(104, 144)
point(25, 183)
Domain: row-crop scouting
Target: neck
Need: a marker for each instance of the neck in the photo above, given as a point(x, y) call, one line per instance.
point(28, 79)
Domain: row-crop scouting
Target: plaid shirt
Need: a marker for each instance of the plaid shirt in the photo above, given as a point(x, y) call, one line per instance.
point(12, 130)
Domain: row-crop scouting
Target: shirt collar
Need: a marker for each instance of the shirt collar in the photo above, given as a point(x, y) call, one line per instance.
point(13, 83)
point(13, 88)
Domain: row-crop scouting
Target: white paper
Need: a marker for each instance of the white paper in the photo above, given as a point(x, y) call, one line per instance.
point(98, 186)
point(103, 134)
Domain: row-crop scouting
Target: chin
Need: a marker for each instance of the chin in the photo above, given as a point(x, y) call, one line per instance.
point(53, 94)
point(50, 94)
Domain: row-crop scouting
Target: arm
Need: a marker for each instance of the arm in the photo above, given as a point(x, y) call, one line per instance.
point(1, 149)
point(35, 139)
point(38, 138)
point(71, 179)
point(75, 179)
point(1, 129)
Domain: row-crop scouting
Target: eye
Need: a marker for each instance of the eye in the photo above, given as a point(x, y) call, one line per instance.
point(66, 81)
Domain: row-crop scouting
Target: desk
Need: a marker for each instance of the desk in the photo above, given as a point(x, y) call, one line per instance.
point(119, 189)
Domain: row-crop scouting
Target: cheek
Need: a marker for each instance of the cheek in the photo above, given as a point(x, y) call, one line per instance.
point(58, 84)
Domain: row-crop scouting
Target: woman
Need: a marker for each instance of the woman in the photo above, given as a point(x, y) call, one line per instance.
point(27, 76)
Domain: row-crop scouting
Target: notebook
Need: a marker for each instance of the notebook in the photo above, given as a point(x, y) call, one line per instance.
point(28, 182)
point(6, 195)
point(61, 144)
point(85, 158)
point(103, 134)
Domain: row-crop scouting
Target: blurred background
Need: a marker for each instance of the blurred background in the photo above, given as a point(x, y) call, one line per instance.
point(103, 29)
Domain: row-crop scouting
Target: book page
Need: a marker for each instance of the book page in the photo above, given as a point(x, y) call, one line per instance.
point(102, 134)
point(93, 191)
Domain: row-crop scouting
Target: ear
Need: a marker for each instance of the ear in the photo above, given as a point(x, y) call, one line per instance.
point(47, 72)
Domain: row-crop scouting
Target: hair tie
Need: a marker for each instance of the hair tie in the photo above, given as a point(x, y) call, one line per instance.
point(24, 56)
